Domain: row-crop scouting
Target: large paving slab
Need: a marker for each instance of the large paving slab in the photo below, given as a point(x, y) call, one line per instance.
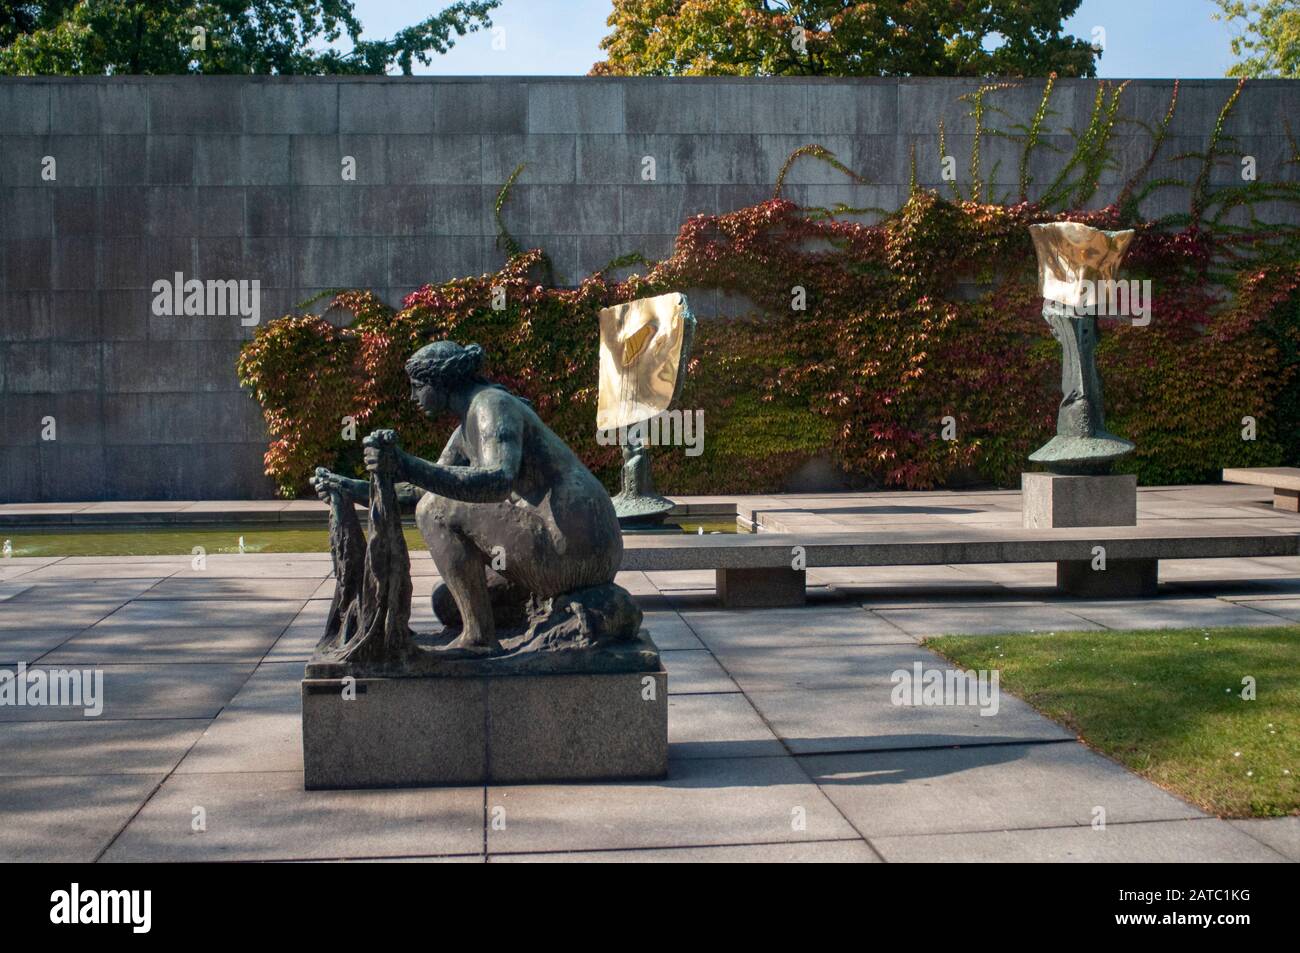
point(682, 579)
point(67, 818)
point(260, 730)
point(1236, 590)
point(12, 567)
point(1015, 576)
point(703, 801)
point(881, 581)
point(718, 726)
point(24, 614)
point(298, 641)
point(692, 672)
point(866, 668)
point(1185, 570)
point(268, 816)
point(100, 588)
point(181, 630)
point(1282, 610)
point(262, 565)
point(815, 852)
point(10, 589)
point(669, 631)
point(986, 619)
point(233, 587)
point(151, 691)
point(866, 719)
point(826, 625)
point(637, 583)
point(994, 788)
point(93, 746)
point(28, 645)
point(1282, 834)
point(67, 572)
point(1203, 840)
point(1171, 614)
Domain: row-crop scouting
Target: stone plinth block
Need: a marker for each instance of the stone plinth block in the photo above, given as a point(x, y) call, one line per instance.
point(443, 730)
point(1054, 500)
point(760, 588)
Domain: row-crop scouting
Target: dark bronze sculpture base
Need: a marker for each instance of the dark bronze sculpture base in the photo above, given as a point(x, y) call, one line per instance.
point(1082, 444)
point(637, 504)
point(1081, 456)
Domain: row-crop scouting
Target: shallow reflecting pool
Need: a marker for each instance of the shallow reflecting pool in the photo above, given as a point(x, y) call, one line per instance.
point(222, 538)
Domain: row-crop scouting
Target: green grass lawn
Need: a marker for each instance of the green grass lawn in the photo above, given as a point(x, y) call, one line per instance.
point(1168, 704)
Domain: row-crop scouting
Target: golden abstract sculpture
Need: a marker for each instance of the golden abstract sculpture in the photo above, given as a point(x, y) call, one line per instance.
point(1076, 263)
point(1071, 257)
point(644, 345)
point(641, 358)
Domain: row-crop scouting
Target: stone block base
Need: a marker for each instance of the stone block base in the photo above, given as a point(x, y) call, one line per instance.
point(1121, 579)
point(1053, 500)
point(1284, 499)
point(440, 730)
point(761, 588)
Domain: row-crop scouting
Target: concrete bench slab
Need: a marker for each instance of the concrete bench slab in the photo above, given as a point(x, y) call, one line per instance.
point(765, 569)
point(1284, 481)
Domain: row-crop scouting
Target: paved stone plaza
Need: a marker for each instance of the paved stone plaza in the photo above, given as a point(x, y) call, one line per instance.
point(784, 743)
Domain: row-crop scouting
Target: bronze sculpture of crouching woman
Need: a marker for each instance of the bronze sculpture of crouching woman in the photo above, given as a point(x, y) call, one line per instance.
point(524, 537)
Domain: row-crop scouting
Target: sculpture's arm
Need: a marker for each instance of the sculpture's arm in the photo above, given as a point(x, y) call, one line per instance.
point(500, 450)
point(326, 481)
point(408, 494)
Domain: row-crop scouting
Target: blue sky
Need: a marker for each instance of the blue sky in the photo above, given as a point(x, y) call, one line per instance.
point(1143, 38)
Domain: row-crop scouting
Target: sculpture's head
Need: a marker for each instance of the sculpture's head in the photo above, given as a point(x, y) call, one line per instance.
point(439, 370)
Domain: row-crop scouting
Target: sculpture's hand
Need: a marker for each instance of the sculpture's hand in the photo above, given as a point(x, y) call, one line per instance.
point(382, 455)
point(327, 483)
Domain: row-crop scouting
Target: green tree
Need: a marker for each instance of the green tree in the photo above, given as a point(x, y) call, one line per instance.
point(844, 38)
point(1268, 44)
point(291, 37)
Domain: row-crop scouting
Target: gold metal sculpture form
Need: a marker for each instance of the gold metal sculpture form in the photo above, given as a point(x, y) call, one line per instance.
point(1076, 263)
point(644, 346)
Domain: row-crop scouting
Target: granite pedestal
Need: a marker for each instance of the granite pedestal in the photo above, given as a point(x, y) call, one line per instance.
point(511, 728)
point(1055, 500)
point(1060, 501)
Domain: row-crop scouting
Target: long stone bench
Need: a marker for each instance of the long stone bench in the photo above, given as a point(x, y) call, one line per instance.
point(1284, 482)
point(770, 569)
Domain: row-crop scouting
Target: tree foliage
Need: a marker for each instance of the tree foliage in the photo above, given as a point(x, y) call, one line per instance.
point(844, 38)
point(1268, 44)
point(289, 37)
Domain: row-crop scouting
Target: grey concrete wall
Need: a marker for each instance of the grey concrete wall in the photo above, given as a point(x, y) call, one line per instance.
point(226, 177)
